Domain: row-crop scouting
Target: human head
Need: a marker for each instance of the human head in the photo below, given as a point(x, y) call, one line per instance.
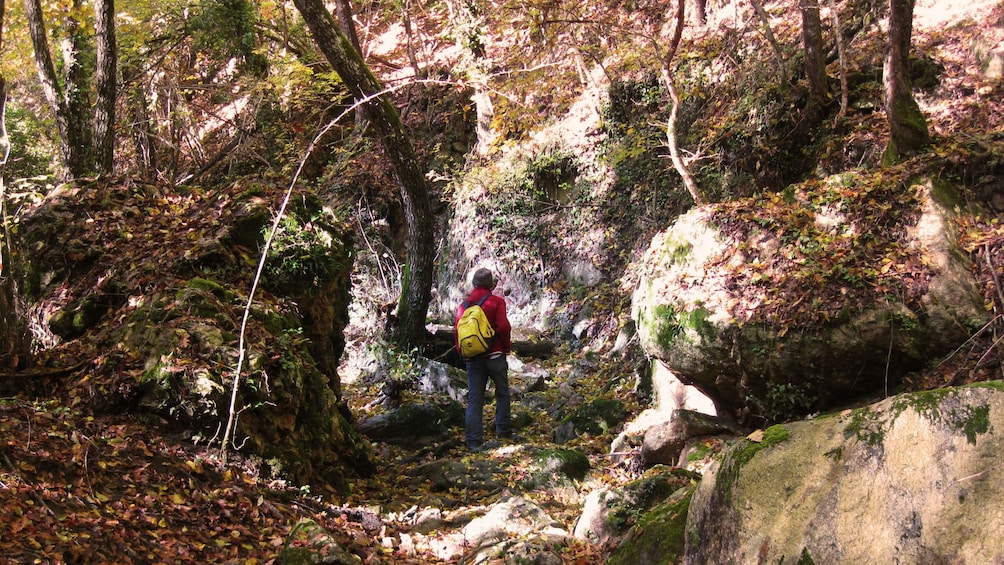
point(483, 278)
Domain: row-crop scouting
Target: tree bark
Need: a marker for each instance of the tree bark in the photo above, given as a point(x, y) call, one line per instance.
point(774, 45)
point(416, 283)
point(838, 34)
point(907, 125)
point(104, 78)
point(815, 64)
point(667, 78)
point(69, 102)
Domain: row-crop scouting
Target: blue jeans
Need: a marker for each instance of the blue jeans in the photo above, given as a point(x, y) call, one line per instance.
point(479, 371)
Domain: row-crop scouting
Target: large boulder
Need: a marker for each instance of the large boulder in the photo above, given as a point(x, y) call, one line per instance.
point(914, 478)
point(781, 307)
point(151, 289)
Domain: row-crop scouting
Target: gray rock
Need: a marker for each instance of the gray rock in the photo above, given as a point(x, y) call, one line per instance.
point(706, 325)
point(915, 478)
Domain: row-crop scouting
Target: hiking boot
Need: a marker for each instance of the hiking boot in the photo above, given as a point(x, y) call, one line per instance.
point(511, 438)
point(475, 447)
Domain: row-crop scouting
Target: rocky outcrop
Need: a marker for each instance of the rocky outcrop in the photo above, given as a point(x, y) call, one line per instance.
point(161, 326)
point(915, 478)
point(777, 309)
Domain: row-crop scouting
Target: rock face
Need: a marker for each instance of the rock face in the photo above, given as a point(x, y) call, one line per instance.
point(912, 479)
point(785, 308)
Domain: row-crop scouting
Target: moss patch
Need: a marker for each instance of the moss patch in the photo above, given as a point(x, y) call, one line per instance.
point(659, 536)
point(673, 324)
point(942, 407)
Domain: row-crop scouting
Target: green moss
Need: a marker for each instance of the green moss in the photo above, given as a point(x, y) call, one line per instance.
point(673, 324)
point(938, 406)
point(642, 495)
point(737, 458)
point(213, 287)
point(805, 558)
point(945, 193)
point(659, 536)
point(865, 427)
point(676, 251)
point(992, 385)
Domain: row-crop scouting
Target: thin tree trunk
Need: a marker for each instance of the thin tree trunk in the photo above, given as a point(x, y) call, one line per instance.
point(838, 34)
point(69, 102)
point(104, 78)
point(416, 284)
point(774, 45)
point(76, 89)
point(409, 37)
point(343, 9)
point(47, 73)
point(907, 125)
point(667, 78)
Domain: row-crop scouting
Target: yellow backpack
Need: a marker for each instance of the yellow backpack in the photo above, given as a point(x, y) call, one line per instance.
point(474, 332)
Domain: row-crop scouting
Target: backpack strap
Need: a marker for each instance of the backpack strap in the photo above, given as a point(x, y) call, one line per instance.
point(467, 303)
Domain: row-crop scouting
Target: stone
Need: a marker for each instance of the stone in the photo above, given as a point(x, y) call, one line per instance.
point(913, 478)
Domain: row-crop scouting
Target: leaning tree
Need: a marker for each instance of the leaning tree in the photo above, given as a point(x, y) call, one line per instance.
point(416, 284)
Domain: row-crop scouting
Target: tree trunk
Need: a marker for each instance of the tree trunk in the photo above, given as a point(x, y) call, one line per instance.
point(838, 34)
point(769, 33)
point(343, 9)
point(69, 103)
point(104, 78)
point(416, 283)
point(667, 79)
point(907, 125)
point(13, 330)
point(466, 26)
point(76, 89)
point(815, 65)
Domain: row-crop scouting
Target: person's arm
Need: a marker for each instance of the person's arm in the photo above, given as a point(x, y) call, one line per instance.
point(503, 329)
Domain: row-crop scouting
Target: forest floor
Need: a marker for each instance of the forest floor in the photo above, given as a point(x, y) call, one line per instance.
point(78, 488)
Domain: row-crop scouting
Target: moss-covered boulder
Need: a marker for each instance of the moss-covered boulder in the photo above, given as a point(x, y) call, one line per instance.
point(149, 290)
point(659, 536)
point(911, 479)
point(608, 514)
point(551, 468)
point(288, 414)
point(784, 305)
point(597, 417)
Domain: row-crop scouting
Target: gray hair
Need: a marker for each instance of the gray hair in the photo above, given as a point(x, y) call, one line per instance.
point(483, 278)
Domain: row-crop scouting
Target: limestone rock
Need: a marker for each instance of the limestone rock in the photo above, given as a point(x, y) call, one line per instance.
point(735, 339)
point(912, 479)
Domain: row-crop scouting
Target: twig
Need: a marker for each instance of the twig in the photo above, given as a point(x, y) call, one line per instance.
point(993, 273)
point(973, 476)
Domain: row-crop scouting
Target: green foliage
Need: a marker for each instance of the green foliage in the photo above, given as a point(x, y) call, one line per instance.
point(239, 20)
point(31, 154)
point(305, 253)
point(784, 402)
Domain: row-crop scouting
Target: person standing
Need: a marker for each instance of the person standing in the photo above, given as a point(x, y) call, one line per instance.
point(487, 366)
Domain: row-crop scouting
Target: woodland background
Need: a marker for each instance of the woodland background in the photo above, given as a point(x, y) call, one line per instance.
point(139, 136)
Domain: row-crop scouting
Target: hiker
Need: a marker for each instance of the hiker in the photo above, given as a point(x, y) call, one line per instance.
point(491, 364)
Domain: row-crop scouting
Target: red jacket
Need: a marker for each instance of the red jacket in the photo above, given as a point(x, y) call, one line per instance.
point(494, 308)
